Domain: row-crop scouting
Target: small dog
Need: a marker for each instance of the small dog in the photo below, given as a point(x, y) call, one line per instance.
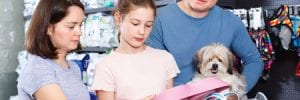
point(217, 60)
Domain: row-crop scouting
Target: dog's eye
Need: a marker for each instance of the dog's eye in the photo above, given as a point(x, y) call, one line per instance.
point(209, 59)
point(220, 60)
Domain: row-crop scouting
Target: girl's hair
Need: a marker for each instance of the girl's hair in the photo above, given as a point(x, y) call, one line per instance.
point(47, 12)
point(125, 6)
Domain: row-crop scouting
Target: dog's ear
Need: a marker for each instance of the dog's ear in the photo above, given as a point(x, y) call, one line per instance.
point(231, 60)
point(197, 61)
point(230, 70)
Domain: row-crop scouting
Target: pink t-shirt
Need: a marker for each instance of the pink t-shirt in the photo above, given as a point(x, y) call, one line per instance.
point(135, 76)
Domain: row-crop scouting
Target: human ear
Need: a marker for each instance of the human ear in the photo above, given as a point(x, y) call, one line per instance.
point(50, 29)
point(117, 18)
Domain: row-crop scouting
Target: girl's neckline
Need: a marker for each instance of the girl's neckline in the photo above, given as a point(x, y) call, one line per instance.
point(137, 53)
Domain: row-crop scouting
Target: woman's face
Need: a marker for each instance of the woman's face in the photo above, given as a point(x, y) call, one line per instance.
point(65, 34)
point(136, 26)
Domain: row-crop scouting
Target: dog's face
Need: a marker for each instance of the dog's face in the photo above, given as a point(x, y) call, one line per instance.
point(214, 60)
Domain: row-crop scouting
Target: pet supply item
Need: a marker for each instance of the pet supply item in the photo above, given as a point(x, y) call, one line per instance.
point(193, 91)
point(282, 20)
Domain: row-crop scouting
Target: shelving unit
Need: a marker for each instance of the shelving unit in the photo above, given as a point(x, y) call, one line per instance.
point(87, 11)
point(95, 49)
point(95, 10)
point(104, 9)
point(107, 9)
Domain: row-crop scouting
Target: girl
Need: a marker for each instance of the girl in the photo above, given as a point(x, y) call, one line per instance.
point(54, 31)
point(134, 70)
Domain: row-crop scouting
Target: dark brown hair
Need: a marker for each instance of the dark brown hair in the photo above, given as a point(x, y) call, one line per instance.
point(47, 12)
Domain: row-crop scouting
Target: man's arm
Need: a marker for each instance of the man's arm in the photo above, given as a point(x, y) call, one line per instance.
point(245, 48)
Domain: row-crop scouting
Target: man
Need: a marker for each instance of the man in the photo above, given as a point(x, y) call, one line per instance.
point(183, 28)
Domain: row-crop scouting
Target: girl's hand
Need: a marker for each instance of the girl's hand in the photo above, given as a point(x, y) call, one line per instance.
point(150, 97)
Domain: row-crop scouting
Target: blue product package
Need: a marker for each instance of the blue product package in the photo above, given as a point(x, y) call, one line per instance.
point(83, 64)
point(93, 96)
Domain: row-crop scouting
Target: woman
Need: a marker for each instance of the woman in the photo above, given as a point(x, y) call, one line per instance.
point(54, 31)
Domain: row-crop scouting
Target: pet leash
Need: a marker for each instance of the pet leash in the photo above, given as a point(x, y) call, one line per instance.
point(282, 21)
point(282, 17)
point(267, 52)
point(296, 40)
point(295, 35)
point(193, 91)
point(263, 42)
point(262, 38)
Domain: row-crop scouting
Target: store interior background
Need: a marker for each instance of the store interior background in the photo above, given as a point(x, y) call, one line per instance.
point(12, 40)
point(283, 84)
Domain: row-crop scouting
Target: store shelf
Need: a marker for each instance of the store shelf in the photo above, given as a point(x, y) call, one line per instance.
point(95, 10)
point(158, 3)
point(95, 49)
point(104, 9)
point(27, 17)
point(87, 11)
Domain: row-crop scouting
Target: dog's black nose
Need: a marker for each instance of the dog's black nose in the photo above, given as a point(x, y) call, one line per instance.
point(215, 66)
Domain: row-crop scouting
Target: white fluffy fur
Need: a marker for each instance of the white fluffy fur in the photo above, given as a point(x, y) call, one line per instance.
point(218, 55)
